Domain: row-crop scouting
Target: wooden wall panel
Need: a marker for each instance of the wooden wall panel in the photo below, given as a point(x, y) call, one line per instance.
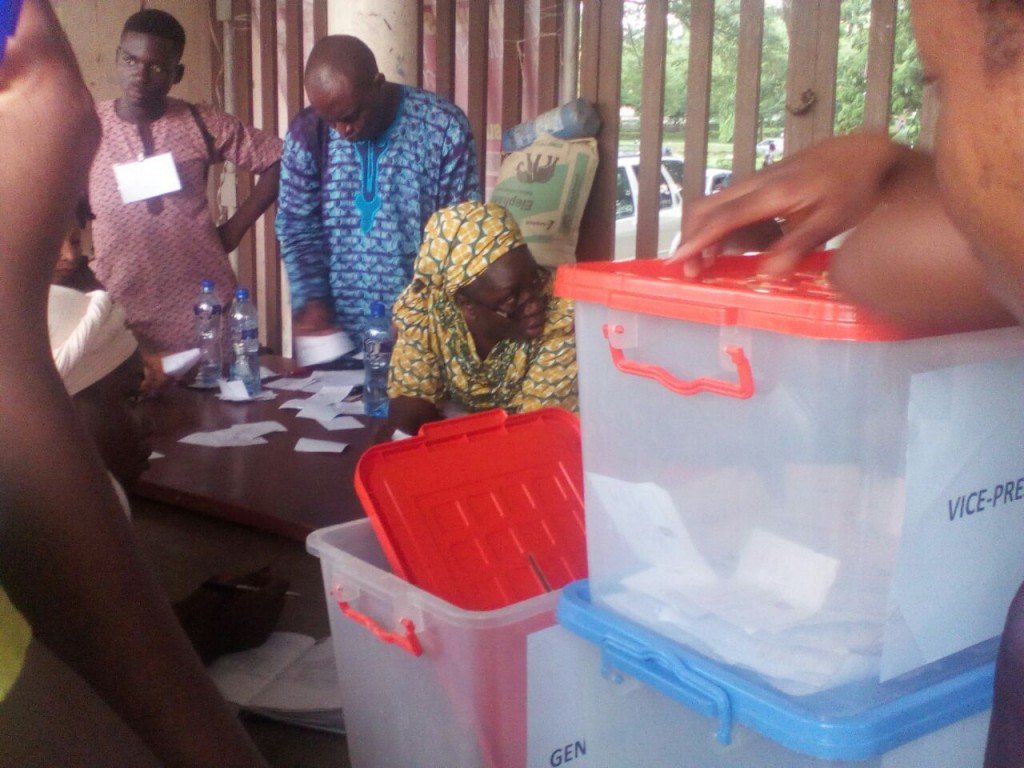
point(748, 88)
point(698, 96)
point(600, 76)
point(549, 55)
point(479, 60)
point(444, 21)
point(652, 105)
point(513, 30)
point(239, 50)
point(810, 92)
point(272, 295)
point(881, 47)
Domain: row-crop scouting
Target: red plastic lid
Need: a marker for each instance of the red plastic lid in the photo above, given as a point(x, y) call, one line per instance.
point(483, 510)
point(730, 292)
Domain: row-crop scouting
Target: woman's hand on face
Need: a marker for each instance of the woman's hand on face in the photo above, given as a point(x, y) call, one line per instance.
point(815, 195)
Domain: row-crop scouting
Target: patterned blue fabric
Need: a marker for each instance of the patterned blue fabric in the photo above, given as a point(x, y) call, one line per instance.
point(351, 214)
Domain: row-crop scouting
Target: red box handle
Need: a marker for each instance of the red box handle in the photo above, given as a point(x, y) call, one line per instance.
point(407, 641)
point(740, 389)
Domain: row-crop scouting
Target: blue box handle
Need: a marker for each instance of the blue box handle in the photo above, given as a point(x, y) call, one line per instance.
point(672, 676)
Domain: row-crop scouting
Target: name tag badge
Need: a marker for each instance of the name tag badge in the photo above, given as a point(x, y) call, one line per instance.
point(146, 178)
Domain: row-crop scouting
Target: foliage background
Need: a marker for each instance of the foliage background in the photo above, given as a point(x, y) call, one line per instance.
point(850, 79)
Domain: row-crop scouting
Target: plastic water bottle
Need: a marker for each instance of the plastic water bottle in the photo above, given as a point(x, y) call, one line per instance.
point(377, 344)
point(245, 342)
point(208, 315)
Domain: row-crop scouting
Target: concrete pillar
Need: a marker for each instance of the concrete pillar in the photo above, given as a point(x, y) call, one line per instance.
point(389, 27)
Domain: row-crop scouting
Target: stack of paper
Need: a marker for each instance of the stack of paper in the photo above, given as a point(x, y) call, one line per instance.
point(291, 678)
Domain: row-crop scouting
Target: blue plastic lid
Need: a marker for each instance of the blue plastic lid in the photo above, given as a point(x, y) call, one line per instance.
point(800, 723)
point(241, 294)
point(206, 286)
point(378, 309)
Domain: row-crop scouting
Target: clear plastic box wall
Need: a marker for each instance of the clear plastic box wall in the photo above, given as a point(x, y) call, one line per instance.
point(812, 468)
point(585, 715)
point(461, 702)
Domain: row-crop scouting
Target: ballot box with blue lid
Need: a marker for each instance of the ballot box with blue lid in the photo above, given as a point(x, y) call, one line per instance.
point(784, 483)
point(603, 691)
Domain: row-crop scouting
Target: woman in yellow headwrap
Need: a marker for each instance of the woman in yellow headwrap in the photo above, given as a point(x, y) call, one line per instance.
point(477, 327)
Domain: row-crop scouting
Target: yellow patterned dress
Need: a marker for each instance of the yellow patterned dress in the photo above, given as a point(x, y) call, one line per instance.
point(435, 358)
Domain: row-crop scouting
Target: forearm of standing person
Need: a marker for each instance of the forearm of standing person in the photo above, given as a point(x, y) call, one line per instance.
point(71, 566)
point(910, 264)
point(300, 228)
point(263, 195)
point(69, 562)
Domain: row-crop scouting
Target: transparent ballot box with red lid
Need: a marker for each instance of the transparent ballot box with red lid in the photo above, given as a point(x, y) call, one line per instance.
point(473, 527)
point(782, 483)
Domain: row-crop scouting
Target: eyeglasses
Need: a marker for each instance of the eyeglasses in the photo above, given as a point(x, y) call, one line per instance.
point(155, 70)
point(510, 308)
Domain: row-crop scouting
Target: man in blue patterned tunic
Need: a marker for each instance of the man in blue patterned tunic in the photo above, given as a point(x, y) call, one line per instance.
point(364, 167)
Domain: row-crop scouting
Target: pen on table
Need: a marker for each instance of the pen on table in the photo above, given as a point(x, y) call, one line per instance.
point(226, 586)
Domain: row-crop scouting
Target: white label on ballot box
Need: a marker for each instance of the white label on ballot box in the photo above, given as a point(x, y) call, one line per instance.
point(961, 555)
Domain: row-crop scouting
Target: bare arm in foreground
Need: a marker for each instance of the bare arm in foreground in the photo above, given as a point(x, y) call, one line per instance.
point(69, 562)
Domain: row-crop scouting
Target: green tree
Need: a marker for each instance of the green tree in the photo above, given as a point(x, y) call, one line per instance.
point(855, 17)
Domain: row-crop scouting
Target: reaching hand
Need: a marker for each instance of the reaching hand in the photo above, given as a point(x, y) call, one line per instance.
point(314, 319)
point(153, 377)
point(815, 194)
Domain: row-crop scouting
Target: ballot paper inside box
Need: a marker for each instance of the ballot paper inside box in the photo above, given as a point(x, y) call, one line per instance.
point(781, 482)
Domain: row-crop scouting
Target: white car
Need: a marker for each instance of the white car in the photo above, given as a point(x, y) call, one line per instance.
point(670, 201)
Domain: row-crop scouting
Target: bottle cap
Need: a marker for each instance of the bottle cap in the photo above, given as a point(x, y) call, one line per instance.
point(206, 285)
point(241, 294)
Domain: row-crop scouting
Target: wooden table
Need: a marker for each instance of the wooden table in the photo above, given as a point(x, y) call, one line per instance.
point(270, 487)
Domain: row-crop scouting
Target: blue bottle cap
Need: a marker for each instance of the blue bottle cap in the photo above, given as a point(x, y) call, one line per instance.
point(241, 294)
point(206, 286)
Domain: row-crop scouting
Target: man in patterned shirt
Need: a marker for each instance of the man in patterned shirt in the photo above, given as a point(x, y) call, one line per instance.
point(364, 167)
point(153, 246)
